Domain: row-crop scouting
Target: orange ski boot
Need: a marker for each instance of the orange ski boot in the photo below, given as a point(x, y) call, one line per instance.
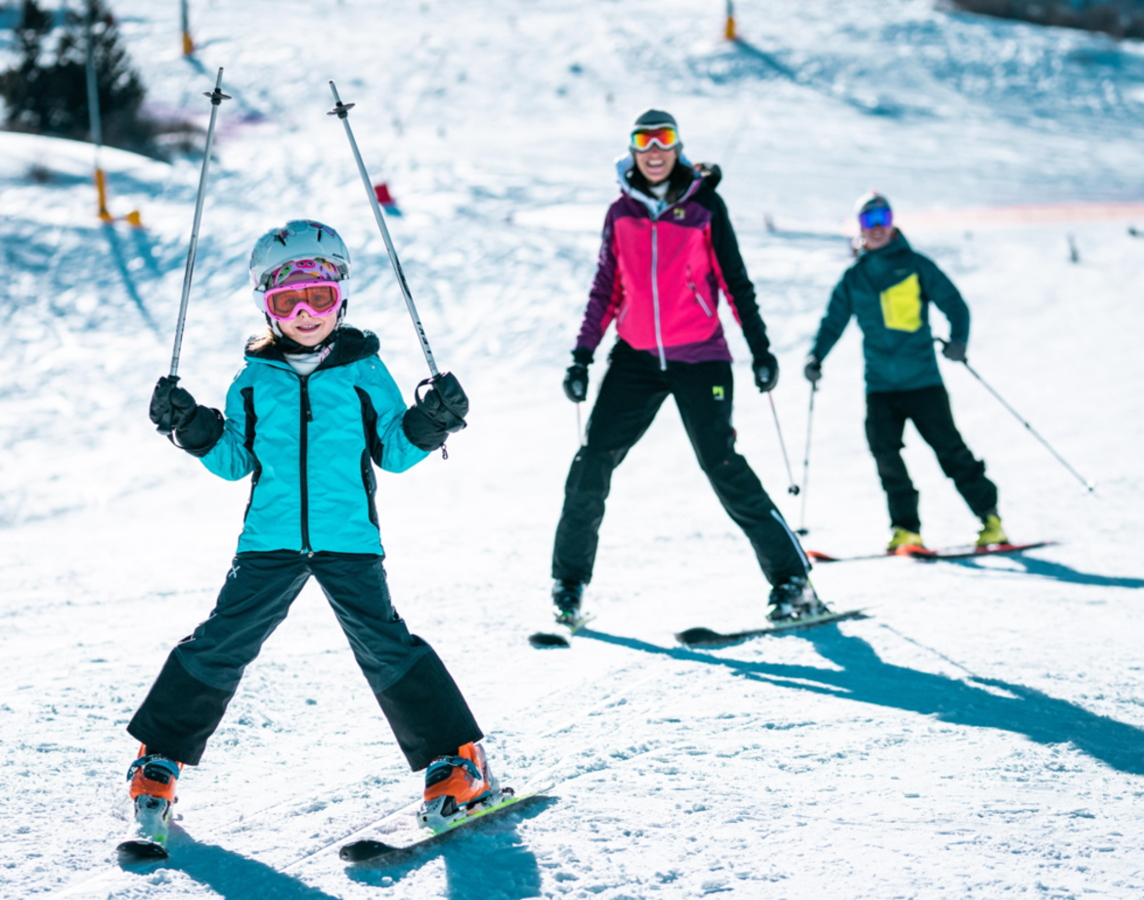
point(456, 785)
point(152, 780)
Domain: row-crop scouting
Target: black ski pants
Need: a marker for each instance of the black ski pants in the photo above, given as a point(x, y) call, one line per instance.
point(928, 408)
point(424, 707)
point(631, 394)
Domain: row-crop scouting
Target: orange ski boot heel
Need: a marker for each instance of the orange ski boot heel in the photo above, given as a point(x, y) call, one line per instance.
point(454, 785)
point(153, 775)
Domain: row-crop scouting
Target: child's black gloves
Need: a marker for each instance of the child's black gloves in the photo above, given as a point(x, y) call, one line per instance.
point(437, 414)
point(194, 428)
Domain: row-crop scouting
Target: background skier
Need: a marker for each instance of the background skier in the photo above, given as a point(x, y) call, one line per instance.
point(668, 251)
point(309, 410)
point(889, 290)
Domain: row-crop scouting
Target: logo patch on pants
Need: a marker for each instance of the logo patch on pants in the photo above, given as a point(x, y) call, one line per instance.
point(717, 392)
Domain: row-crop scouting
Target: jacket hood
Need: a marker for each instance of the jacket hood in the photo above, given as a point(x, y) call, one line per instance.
point(686, 178)
point(349, 345)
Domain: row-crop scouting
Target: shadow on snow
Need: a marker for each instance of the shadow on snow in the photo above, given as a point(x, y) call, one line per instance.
point(490, 862)
point(976, 702)
point(1042, 568)
point(231, 875)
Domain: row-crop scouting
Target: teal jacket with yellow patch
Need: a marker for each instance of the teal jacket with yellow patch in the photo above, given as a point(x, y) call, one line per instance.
point(890, 290)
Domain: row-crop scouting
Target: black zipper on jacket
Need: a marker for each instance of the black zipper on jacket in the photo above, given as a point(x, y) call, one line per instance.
point(307, 416)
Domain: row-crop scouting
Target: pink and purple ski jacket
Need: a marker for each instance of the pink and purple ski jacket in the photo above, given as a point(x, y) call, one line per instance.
point(662, 267)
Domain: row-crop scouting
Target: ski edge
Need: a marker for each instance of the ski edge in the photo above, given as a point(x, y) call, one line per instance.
point(706, 637)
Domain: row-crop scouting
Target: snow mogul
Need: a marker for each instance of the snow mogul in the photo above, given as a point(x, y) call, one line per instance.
point(311, 411)
point(668, 253)
point(889, 288)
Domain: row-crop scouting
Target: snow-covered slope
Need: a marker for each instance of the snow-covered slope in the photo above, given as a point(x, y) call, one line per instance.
point(980, 735)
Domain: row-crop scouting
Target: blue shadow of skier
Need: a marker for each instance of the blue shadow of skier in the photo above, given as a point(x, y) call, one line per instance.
point(124, 273)
point(976, 702)
point(491, 862)
point(232, 875)
point(1042, 568)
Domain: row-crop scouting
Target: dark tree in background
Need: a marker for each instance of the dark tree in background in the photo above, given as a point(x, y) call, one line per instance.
point(46, 92)
point(1120, 18)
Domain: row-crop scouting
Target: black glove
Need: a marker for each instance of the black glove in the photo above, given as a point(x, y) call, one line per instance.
point(437, 414)
point(954, 350)
point(766, 369)
point(576, 383)
point(194, 428)
point(813, 370)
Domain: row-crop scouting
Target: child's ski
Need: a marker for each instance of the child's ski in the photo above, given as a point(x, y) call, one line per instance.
point(371, 851)
point(147, 839)
point(705, 637)
point(925, 553)
point(545, 639)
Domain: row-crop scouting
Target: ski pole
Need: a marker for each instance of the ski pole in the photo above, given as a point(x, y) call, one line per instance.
point(342, 111)
point(216, 97)
point(802, 529)
point(792, 489)
point(1090, 485)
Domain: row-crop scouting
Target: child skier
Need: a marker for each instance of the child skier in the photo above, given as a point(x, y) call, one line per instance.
point(668, 251)
point(889, 290)
point(308, 415)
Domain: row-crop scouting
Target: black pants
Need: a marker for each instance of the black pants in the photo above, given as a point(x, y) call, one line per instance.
point(425, 708)
point(928, 408)
point(631, 394)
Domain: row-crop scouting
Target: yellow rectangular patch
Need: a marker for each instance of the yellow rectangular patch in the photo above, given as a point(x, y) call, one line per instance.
point(717, 392)
point(902, 305)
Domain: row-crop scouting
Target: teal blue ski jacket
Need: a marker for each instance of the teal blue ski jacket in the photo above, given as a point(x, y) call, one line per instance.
point(310, 443)
point(889, 291)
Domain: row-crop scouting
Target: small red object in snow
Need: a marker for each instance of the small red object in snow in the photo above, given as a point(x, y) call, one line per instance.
point(381, 191)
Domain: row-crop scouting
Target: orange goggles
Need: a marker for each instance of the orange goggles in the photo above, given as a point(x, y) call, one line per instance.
point(664, 137)
point(318, 298)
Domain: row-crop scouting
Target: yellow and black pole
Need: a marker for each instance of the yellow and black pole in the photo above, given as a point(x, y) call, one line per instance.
point(188, 44)
point(93, 113)
point(729, 30)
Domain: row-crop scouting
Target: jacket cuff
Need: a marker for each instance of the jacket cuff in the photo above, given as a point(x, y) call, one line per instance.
point(201, 434)
point(583, 355)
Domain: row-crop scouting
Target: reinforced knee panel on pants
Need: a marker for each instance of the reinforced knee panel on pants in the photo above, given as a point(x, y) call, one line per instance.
point(427, 712)
point(179, 715)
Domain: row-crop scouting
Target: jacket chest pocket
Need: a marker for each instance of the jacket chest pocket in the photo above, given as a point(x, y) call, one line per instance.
point(902, 305)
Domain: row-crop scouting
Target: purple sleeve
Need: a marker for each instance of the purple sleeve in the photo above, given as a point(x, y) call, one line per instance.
point(604, 298)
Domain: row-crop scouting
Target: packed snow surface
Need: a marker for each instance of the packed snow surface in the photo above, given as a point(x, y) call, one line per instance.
point(981, 734)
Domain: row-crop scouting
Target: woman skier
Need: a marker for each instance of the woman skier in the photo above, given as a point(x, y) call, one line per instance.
point(309, 414)
point(668, 251)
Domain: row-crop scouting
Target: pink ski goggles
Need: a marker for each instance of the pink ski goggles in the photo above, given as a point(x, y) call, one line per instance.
point(318, 298)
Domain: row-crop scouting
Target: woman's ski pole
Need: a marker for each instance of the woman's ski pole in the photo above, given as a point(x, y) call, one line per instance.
point(802, 529)
point(216, 97)
point(1090, 485)
point(342, 111)
point(792, 488)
